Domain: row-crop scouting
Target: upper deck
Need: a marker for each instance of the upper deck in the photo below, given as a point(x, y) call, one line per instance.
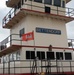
point(35, 8)
point(14, 43)
point(12, 3)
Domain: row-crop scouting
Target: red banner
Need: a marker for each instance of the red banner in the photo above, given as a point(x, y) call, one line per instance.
point(28, 36)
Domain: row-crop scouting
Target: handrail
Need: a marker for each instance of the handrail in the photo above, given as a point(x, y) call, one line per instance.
point(69, 12)
point(8, 41)
point(11, 38)
point(61, 67)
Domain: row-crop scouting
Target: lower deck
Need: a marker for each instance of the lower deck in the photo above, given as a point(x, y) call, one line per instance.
point(37, 60)
point(37, 67)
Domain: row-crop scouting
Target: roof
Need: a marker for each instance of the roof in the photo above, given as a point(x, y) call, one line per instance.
point(68, 1)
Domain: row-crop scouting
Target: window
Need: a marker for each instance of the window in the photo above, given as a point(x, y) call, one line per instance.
point(59, 55)
point(50, 55)
point(48, 2)
point(3, 47)
point(14, 56)
point(5, 59)
point(47, 9)
point(27, 54)
point(68, 56)
point(57, 3)
point(30, 55)
point(21, 32)
point(11, 57)
point(40, 55)
point(22, 2)
point(40, 1)
point(18, 55)
point(63, 4)
point(19, 5)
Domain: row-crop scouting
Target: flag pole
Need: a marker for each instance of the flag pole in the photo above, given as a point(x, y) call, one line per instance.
point(35, 53)
point(34, 44)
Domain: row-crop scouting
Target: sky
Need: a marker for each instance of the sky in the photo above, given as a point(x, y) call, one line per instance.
point(6, 32)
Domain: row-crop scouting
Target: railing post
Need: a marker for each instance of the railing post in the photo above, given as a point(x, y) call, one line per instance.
point(71, 43)
point(61, 64)
point(36, 64)
point(10, 40)
point(0, 46)
point(9, 64)
point(9, 16)
point(56, 65)
point(41, 66)
point(70, 67)
point(57, 10)
point(30, 66)
point(3, 65)
point(68, 12)
point(31, 4)
point(14, 66)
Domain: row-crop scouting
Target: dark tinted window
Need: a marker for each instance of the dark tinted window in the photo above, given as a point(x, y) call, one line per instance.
point(48, 2)
point(22, 2)
point(30, 54)
point(40, 1)
point(63, 4)
point(47, 9)
point(59, 55)
point(21, 32)
point(50, 55)
point(68, 56)
point(57, 3)
point(41, 55)
point(19, 5)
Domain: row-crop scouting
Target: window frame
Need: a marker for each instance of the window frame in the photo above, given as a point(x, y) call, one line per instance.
point(41, 55)
point(58, 5)
point(50, 2)
point(58, 55)
point(29, 55)
point(51, 58)
point(38, 1)
point(66, 56)
point(63, 4)
point(22, 31)
point(18, 55)
point(47, 9)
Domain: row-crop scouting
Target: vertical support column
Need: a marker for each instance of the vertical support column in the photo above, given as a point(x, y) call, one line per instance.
point(14, 66)
point(41, 66)
point(57, 65)
point(30, 66)
point(70, 67)
point(36, 64)
point(9, 64)
point(68, 12)
point(3, 65)
point(10, 40)
point(57, 11)
point(71, 43)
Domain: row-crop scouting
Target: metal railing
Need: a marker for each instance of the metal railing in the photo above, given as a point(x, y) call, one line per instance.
point(69, 12)
point(15, 39)
point(25, 66)
point(71, 43)
point(12, 39)
point(42, 66)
